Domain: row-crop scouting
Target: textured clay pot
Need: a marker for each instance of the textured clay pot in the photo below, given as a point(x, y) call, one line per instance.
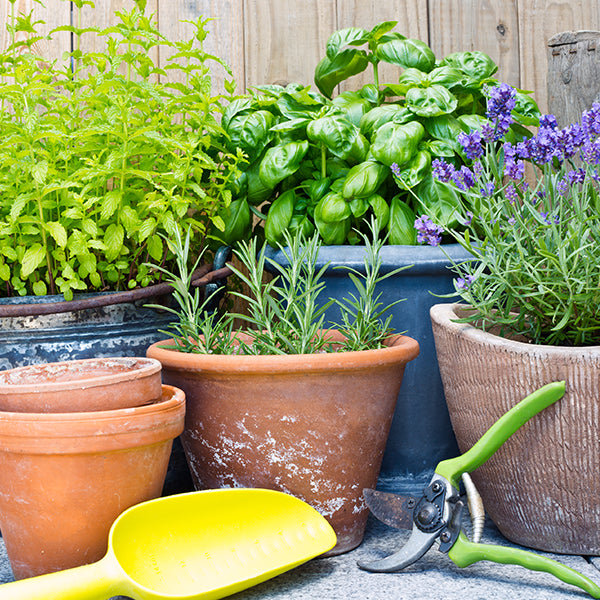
point(81, 385)
point(314, 426)
point(66, 477)
point(542, 487)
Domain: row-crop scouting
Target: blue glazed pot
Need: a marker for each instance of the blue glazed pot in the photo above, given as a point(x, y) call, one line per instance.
point(421, 433)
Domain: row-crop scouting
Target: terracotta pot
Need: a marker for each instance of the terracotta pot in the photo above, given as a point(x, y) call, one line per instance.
point(314, 426)
point(66, 477)
point(542, 487)
point(81, 385)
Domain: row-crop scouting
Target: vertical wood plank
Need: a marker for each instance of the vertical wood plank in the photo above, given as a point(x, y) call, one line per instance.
point(53, 13)
point(285, 39)
point(412, 22)
point(539, 20)
point(490, 26)
point(225, 38)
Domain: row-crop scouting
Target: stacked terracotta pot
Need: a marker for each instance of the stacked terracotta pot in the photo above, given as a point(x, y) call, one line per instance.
point(80, 442)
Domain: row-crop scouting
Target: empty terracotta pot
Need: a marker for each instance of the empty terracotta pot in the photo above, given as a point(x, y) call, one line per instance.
point(81, 385)
point(66, 477)
point(312, 425)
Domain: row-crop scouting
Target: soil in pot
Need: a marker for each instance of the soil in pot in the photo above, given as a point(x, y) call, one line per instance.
point(314, 426)
point(81, 385)
point(66, 477)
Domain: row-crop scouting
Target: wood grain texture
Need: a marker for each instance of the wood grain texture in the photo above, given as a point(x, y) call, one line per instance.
point(52, 13)
point(285, 39)
point(573, 74)
point(412, 22)
point(539, 20)
point(225, 38)
point(490, 26)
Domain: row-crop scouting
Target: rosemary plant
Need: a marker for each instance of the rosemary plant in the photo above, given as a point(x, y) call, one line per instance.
point(285, 314)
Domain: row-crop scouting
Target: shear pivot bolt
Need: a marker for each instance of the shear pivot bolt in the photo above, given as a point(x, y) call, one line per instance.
point(445, 537)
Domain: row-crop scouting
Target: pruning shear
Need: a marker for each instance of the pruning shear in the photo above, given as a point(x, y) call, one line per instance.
point(437, 514)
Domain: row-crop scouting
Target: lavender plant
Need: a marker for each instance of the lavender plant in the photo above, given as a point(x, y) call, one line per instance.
point(535, 241)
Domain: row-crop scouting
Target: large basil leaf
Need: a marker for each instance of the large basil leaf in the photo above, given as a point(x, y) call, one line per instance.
point(395, 143)
point(446, 76)
point(336, 133)
point(333, 231)
point(439, 201)
point(301, 224)
point(345, 37)
point(381, 29)
point(360, 150)
point(407, 53)
point(331, 71)
point(364, 179)
point(476, 65)
point(352, 105)
point(279, 217)
point(381, 210)
point(281, 161)
point(238, 223)
point(401, 226)
point(471, 122)
point(415, 170)
point(251, 132)
point(379, 115)
point(446, 128)
point(234, 108)
point(431, 101)
point(257, 192)
point(526, 111)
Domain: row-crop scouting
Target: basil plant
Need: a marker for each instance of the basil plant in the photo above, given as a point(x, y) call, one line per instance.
point(331, 164)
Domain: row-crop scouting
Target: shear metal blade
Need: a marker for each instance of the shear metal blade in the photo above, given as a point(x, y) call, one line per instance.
point(390, 509)
point(417, 545)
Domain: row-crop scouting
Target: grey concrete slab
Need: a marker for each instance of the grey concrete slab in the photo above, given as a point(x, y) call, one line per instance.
point(433, 577)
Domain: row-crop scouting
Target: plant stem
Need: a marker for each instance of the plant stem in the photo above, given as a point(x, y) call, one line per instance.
point(323, 161)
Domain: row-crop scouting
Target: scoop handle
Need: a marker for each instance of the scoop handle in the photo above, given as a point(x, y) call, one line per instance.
point(91, 582)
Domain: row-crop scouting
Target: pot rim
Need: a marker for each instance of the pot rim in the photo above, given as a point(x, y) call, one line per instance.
point(443, 315)
point(401, 349)
point(96, 431)
point(130, 369)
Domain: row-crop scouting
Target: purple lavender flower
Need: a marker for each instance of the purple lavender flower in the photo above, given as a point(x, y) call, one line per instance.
point(576, 176)
point(501, 101)
point(468, 218)
point(442, 170)
point(463, 283)
point(548, 121)
point(488, 189)
point(511, 193)
point(511, 221)
point(590, 120)
point(562, 187)
point(464, 179)
point(395, 169)
point(427, 231)
point(471, 142)
point(514, 169)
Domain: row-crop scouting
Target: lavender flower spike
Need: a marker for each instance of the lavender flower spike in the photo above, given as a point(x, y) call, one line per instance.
point(427, 231)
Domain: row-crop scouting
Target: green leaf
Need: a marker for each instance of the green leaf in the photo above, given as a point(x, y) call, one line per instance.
point(477, 67)
point(113, 240)
point(336, 133)
point(279, 217)
point(401, 226)
point(57, 231)
point(345, 37)
point(155, 247)
point(364, 179)
point(146, 228)
point(330, 72)
point(407, 53)
point(394, 143)
point(431, 101)
point(414, 171)
point(380, 115)
point(32, 259)
point(39, 172)
point(281, 161)
point(39, 288)
point(110, 203)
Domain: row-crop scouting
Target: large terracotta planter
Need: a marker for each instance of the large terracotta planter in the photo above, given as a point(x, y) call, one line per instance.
point(542, 487)
point(81, 385)
point(65, 477)
point(314, 426)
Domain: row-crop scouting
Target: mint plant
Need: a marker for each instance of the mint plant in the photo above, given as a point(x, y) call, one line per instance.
point(105, 153)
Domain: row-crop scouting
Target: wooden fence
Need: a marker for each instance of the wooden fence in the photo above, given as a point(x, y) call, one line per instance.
point(268, 41)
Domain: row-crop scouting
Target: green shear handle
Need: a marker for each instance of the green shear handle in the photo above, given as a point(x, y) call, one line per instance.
point(464, 553)
point(499, 432)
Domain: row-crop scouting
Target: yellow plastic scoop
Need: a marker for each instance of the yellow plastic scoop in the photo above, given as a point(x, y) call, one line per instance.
point(198, 545)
